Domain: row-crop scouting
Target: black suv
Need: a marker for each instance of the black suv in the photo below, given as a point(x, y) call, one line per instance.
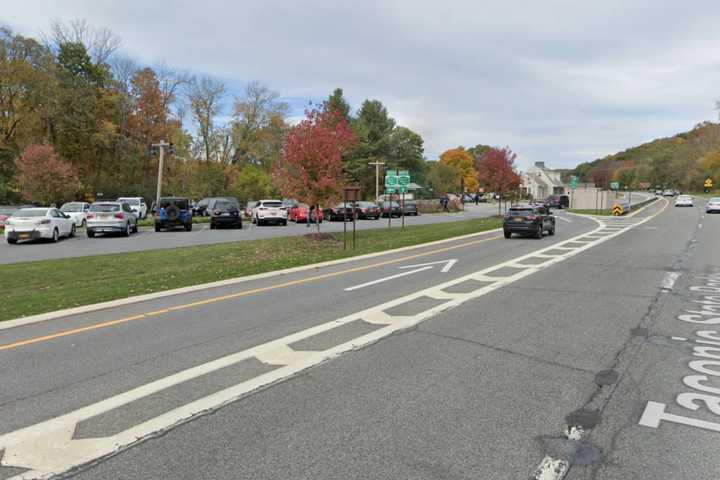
point(528, 220)
point(173, 212)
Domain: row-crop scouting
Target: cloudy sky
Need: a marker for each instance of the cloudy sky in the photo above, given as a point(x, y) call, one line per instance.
point(558, 81)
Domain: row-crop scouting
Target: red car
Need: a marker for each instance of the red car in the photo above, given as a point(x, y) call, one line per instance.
point(299, 213)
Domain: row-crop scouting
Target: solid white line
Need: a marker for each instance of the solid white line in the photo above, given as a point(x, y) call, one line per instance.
point(386, 279)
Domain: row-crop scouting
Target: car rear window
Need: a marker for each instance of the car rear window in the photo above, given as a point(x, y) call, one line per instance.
point(179, 203)
point(130, 201)
point(30, 212)
point(520, 212)
point(105, 207)
point(272, 204)
point(7, 210)
point(225, 206)
point(72, 207)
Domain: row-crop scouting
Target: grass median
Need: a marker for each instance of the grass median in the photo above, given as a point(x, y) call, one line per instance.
point(37, 287)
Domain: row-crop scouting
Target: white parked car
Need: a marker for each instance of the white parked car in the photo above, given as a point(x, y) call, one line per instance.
point(38, 223)
point(77, 211)
point(684, 201)
point(137, 204)
point(713, 205)
point(111, 217)
point(269, 211)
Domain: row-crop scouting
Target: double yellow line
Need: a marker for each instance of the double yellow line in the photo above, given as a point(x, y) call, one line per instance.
point(232, 296)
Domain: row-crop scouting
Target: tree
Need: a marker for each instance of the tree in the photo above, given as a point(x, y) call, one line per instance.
point(205, 98)
point(252, 183)
point(336, 102)
point(441, 178)
point(464, 165)
point(626, 176)
point(497, 172)
point(311, 169)
point(373, 128)
point(100, 43)
point(43, 177)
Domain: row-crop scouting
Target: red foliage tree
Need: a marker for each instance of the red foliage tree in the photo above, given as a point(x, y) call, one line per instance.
point(496, 171)
point(311, 169)
point(43, 177)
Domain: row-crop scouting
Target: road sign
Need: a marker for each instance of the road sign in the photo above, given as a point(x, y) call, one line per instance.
point(403, 177)
point(351, 193)
point(708, 183)
point(391, 181)
point(615, 185)
point(574, 182)
point(617, 210)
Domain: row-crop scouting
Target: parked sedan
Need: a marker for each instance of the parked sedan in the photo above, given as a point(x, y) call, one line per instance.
point(111, 217)
point(684, 201)
point(225, 214)
point(390, 208)
point(5, 213)
point(713, 205)
point(410, 208)
point(38, 223)
point(77, 211)
point(528, 220)
point(299, 214)
point(340, 212)
point(367, 210)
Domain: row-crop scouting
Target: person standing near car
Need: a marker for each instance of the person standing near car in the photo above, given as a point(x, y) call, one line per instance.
point(477, 198)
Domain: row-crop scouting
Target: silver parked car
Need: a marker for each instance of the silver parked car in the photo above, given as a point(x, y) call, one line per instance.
point(111, 217)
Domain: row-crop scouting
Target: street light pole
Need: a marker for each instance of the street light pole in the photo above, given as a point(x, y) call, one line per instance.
point(161, 146)
point(377, 164)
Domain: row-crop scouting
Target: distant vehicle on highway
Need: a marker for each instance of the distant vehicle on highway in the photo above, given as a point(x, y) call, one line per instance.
point(658, 192)
point(137, 204)
point(269, 212)
point(669, 193)
point(37, 224)
point(390, 208)
point(77, 211)
point(684, 201)
point(340, 212)
point(225, 214)
point(299, 213)
point(528, 220)
point(558, 201)
point(367, 210)
point(5, 212)
point(410, 208)
point(111, 217)
point(173, 212)
point(713, 205)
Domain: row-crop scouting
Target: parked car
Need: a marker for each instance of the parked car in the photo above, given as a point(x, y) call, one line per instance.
point(684, 201)
point(38, 223)
point(137, 204)
point(111, 217)
point(528, 220)
point(299, 214)
point(5, 213)
point(340, 212)
point(367, 210)
point(173, 212)
point(226, 214)
point(713, 205)
point(669, 193)
point(269, 212)
point(288, 203)
point(410, 208)
point(390, 208)
point(658, 192)
point(77, 211)
point(249, 207)
point(205, 206)
point(558, 201)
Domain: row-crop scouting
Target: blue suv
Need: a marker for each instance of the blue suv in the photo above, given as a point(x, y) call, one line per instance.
point(173, 212)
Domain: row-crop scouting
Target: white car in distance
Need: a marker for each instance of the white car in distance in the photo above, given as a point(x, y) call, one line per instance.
point(713, 205)
point(77, 211)
point(269, 211)
point(137, 205)
point(684, 201)
point(37, 224)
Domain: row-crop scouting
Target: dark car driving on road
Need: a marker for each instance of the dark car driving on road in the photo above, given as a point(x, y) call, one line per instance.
point(173, 212)
point(558, 201)
point(528, 220)
point(225, 213)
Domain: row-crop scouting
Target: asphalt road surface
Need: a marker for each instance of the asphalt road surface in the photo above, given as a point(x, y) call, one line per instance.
point(592, 354)
point(148, 239)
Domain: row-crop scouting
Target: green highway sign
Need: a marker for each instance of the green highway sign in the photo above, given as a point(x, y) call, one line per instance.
point(615, 185)
point(391, 181)
point(396, 181)
point(574, 182)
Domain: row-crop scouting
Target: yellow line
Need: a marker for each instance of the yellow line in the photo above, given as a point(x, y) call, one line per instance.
point(98, 326)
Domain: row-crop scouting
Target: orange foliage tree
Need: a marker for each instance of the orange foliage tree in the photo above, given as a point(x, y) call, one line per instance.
point(43, 177)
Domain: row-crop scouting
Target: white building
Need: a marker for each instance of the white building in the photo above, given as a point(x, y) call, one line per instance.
point(541, 182)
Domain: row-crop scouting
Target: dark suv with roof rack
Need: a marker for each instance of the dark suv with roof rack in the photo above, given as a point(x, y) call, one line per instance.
point(531, 220)
point(173, 212)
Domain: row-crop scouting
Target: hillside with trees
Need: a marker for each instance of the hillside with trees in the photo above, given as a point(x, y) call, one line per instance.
point(683, 161)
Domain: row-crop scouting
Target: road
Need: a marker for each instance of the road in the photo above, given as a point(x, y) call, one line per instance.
point(148, 239)
point(474, 367)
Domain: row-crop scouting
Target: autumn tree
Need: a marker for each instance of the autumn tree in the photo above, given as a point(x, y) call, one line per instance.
point(205, 97)
point(43, 177)
point(497, 172)
point(311, 169)
point(464, 165)
point(441, 178)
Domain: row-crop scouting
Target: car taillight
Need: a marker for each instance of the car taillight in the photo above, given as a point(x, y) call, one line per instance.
point(532, 218)
point(364, 210)
point(216, 212)
point(120, 215)
point(90, 215)
point(44, 221)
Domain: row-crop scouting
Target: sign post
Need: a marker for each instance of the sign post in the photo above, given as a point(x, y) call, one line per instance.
point(708, 184)
point(403, 182)
point(391, 186)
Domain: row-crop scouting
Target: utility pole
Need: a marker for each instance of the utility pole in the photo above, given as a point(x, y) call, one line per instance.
point(162, 145)
point(377, 164)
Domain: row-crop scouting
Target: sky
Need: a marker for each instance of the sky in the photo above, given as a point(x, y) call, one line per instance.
point(562, 82)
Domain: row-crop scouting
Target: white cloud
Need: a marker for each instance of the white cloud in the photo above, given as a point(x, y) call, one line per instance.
point(560, 81)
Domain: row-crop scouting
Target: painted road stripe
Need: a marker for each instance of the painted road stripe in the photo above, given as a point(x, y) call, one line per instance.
point(387, 279)
point(47, 448)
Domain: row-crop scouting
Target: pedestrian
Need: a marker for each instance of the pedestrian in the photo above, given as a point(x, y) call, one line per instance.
point(477, 198)
point(444, 202)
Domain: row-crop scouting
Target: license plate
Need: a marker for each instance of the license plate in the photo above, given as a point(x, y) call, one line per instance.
point(104, 216)
point(518, 219)
point(24, 236)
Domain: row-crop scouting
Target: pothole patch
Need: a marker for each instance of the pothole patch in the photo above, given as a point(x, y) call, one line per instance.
point(575, 452)
point(606, 377)
point(586, 419)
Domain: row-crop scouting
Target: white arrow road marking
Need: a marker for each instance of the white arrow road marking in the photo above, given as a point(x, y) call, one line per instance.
point(48, 448)
point(386, 279)
point(563, 219)
point(448, 265)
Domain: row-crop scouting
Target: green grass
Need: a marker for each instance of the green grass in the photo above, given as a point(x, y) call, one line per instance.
point(36, 287)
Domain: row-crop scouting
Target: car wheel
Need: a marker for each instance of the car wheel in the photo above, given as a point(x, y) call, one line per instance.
point(72, 231)
point(157, 228)
point(551, 231)
point(539, 233)
point(212, 227)
point(90, 234)
point(11, 241)
point(507, 234)
point(127, 231)
point(284, 223)
point(55, 236)
point(135, 228)
point(188, 227)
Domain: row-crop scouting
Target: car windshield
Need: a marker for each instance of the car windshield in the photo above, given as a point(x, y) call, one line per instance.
point(105, 207)
point(30, 212)
point(130, 201)
point(519, 212)
point(72, 207)
point(715, 200)
point(272, 204)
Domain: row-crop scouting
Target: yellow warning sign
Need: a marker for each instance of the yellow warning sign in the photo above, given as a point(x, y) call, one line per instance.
point(708, 183)
point(617, 210)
